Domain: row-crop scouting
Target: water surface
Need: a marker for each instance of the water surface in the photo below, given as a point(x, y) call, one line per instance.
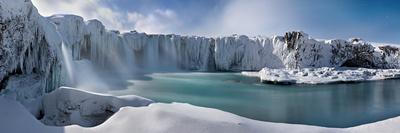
point(331, 105)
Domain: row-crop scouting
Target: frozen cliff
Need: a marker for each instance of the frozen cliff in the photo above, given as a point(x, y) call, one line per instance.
point(90, 40)
point(28, 46)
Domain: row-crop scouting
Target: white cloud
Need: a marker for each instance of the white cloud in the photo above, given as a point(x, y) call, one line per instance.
point(157, 21)
point(252, 17)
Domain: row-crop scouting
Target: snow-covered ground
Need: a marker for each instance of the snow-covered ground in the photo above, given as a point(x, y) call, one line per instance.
point(322, 75)
point(159, 118)
point(66, 106)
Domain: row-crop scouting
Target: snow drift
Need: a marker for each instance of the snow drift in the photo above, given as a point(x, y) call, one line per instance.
point(68, 106)
point(172, 118)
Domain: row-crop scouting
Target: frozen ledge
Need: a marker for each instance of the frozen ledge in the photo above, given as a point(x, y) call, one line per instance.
point(322, 75)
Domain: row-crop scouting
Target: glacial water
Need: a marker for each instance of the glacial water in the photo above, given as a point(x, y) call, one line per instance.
point(331, 105)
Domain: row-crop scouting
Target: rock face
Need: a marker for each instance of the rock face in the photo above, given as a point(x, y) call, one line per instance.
point(30, 44)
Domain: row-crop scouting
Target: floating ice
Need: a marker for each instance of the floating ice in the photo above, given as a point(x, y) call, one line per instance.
point(323, 75)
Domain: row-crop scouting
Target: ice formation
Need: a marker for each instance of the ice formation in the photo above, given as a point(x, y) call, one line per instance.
point(233, 53)
point(28, 44)
point(323, 75)
point(90, 40)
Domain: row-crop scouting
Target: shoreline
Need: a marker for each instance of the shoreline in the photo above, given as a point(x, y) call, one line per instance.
point(178, 112)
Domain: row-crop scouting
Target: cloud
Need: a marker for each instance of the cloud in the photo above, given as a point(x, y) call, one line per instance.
point(157, 21)
point(251, 17)
point(321, 19)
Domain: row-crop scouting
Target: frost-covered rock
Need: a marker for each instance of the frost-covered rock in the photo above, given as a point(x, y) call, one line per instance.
point(28, 44)
point(323, 75)
point(67, 106)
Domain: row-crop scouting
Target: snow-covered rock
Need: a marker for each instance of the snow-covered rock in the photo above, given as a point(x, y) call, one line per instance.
point(323, 75)
point(67, 106)
point(28, 44)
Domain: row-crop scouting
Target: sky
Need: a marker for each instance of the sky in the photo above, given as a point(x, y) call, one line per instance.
point(372, 20)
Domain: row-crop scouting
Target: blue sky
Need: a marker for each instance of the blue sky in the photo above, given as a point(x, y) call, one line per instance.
point(372, 20)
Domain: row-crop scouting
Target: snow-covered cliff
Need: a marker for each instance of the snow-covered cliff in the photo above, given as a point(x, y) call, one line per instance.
point(27, 45)
point(91, 40)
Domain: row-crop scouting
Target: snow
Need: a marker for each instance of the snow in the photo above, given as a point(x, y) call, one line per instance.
point(66, 106)
point(165, 118)
point(28, 44)
point(323, 75)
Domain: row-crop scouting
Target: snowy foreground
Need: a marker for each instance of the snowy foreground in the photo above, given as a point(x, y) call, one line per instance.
point(157, 118)
point(322, 75)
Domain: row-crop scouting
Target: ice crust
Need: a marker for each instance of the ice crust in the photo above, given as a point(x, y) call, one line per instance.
point(323, 75)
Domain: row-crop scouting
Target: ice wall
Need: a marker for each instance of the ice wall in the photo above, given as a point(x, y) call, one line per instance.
point(27, 44)
point(90, 40)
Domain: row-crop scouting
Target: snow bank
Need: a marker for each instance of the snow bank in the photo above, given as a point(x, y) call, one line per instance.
point(171, 118)
point(67, 106)
point(322, 75)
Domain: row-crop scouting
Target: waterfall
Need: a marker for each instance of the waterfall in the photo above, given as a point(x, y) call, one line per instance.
point(68, 63)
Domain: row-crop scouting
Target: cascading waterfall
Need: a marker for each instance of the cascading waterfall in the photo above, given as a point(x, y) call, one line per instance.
point(68, 64)
point(104, 55)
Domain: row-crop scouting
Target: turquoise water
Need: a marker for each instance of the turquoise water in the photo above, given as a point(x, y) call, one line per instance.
point(332, 105)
